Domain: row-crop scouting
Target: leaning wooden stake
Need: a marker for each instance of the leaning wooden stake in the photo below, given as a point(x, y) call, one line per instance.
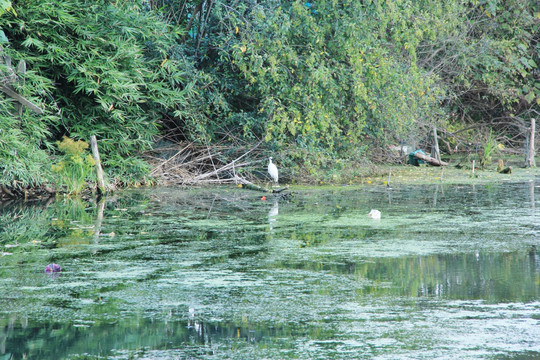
point(6, 87)
point(436, 152)
point(99, 170)
point(530, 151)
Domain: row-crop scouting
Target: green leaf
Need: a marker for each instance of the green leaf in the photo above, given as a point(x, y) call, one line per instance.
point(525, 62)
point(3, 38)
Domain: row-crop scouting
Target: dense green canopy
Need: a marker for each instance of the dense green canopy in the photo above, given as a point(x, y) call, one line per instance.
point(318, 77)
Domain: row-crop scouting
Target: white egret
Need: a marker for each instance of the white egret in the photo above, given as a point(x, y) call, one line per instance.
point(375, 214)
point(272, 170)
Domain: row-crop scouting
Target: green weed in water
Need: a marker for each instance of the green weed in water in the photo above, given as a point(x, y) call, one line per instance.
point(489, 148)
point(76, 166)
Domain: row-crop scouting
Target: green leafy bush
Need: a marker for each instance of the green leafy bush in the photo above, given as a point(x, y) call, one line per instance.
point(326, 77)
point(331, 75)
point(109, 68)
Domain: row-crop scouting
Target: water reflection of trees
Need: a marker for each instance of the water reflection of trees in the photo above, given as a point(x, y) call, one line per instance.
point(22, 340)
point(494, 277)
point(45, 224)
point(59, 222)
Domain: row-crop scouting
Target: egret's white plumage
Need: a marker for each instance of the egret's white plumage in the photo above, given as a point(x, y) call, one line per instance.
point(374, 214)
point(272, 170)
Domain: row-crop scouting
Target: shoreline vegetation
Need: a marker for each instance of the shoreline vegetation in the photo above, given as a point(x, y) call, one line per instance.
point(191, 164)
point(203, 92)
point(195, 165)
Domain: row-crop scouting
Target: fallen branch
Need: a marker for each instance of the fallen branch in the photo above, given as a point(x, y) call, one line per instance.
point(430, 160)
point(229, 165)
point(10, 91)
point(192, 161)
point(221, 169)
point(249, 185)
point(169, 159)
point(6, 190)
point(195, 164)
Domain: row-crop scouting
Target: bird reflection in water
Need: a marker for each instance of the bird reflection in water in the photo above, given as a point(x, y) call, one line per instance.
point(273, 213)
point(193, 323)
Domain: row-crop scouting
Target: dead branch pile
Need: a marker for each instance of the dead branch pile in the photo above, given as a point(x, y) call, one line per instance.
point(194, 164)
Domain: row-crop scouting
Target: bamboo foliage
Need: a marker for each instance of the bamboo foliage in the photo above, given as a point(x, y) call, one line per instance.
point(103, 69)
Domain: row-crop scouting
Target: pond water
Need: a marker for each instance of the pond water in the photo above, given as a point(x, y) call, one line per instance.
point(448, 272)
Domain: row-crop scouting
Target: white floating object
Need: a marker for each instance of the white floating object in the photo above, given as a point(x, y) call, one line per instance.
point(374, 214)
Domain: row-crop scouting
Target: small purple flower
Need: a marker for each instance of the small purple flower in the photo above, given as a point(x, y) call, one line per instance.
point(52, 268)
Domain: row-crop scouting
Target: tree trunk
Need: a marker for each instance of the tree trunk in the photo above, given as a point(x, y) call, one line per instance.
point(194, 13)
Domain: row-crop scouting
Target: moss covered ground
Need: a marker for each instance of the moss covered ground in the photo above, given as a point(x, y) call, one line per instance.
point(403, 174)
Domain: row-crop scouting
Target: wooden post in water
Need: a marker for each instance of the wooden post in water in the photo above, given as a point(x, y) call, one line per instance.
point(99, 170)
point(530, 161)
point(436, 152)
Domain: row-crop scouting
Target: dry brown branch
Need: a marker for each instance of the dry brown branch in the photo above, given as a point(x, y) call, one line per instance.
point(197, 160)
point(230, 165)
point(193, 164)
point(220, 170)
point(169, 159)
